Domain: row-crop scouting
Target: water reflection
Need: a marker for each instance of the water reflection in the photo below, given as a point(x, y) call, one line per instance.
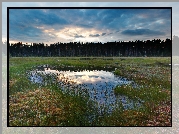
point(97, 84)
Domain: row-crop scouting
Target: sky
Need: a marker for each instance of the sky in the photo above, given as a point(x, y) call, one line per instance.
point(89, 25)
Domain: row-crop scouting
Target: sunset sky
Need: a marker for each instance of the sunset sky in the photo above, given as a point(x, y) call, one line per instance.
point(88, 25)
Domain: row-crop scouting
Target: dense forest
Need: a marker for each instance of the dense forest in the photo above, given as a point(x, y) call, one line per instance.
point(149, 48)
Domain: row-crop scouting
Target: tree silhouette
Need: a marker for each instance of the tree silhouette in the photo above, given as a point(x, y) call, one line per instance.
point(136, 48)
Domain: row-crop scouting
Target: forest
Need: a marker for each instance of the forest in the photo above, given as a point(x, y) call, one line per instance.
point(148, 48)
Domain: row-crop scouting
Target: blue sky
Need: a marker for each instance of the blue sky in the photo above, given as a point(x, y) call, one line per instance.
point(88, 25)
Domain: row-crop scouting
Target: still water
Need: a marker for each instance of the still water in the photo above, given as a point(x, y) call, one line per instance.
point(97, 84)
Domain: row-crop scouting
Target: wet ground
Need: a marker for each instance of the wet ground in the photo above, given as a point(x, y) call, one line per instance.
point(97, 83)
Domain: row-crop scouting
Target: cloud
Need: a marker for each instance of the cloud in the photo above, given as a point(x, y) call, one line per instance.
point(36, 16)
point(24, 31)
point(103, 34)
point(84, 24)
point(79, 36)
point(142, 32)
point(117, 31)
point(109, 33)
point(94, 35)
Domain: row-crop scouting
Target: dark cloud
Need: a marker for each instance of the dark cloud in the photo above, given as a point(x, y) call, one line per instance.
point(142, 32)
point(107, 18)
point(24, 31)
point(23, 23)
point(35, 16)
point(110, 33)
point(123, 18)
point(85, 25)
point(94, 35)
point(103, 34)
point(79, 36)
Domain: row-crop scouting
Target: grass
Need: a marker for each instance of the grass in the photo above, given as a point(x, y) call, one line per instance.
point(36, 105)
point(155, 86)
point(43, 107)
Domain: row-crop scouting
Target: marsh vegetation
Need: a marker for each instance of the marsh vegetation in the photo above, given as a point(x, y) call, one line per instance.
point(144, 82)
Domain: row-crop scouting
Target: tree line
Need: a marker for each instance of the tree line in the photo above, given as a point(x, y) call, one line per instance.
point(149, 48)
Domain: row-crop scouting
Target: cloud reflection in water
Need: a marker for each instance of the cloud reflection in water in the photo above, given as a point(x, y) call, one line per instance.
point(98, 84)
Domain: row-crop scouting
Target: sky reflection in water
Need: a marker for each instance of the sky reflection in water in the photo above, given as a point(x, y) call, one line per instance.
point(98, 84)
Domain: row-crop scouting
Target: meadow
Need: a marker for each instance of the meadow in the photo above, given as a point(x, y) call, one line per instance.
point(31, 104)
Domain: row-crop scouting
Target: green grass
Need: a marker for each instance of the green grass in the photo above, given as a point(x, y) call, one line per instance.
point(36, 105)
point(44, 107)
point(154, 80)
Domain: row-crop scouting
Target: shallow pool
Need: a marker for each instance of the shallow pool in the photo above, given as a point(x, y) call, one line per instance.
point(97, 84)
